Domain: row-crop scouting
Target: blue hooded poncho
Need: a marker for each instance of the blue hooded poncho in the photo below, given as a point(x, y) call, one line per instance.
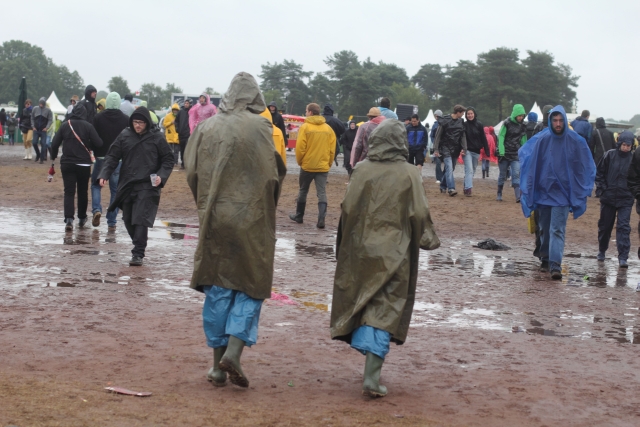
point(556, 170)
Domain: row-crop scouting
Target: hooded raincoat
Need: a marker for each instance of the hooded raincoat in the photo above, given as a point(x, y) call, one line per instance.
point(513, 135)
point(199, 113)
point(169, 123)
point(361, 143)
point(316, 145)
point(89, 103)
point(235, 176)
point(556, 170)
point(601, 140)
point(385, 220)
point(278, 137)
point(110, 123)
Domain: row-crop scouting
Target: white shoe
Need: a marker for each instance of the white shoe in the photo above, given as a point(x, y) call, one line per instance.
point(437, 182)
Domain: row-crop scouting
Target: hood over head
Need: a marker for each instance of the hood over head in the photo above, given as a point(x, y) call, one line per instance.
point(102, 102)
point(560, 110)
point(532, 117)
point(273, 104)
point(328, 110)
point(437, 113)
point(143, 104)
point(141, 113)
point(207, 98)
point(600, 123)
point(388, 142)
point(79, 112)
point(113, 101)
point(475, 114)
point(267, 115)
point(87, 93)
point(243, 94)
point(42, 102)
point(626, 137)
point(175, 106)
point(518, 110)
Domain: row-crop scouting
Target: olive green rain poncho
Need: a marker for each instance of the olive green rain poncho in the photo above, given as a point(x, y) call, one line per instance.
point(235, 175)
point(385, 221)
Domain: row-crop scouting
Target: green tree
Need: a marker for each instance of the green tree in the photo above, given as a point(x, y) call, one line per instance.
point(460, 81)
point(322, 90)
point(430, 80)
point(412, 95)
point(547, 82)
point(154, 95)
point(288, 78)
point(120, 85)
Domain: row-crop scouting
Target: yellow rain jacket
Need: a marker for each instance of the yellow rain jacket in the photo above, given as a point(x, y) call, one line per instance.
point(169, 123)
point(278, 137)
point(316, 145)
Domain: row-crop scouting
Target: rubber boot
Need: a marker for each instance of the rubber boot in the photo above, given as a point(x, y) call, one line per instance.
point(322, 212)
point(29, 157)
point(372, 368)
point(217, 377)
point(499, 197)
point(68, 224)
point(26, 154)
point(297, 217)
point(230, 362)
point(487, 173)
point(516, 191)
point(484, 172)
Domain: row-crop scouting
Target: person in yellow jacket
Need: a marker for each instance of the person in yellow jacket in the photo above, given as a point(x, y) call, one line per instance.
point(278, 137)
point(170, 133)
point(315, 150)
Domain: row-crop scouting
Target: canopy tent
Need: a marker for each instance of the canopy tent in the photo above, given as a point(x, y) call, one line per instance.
point(429, 120)
point(55, 104)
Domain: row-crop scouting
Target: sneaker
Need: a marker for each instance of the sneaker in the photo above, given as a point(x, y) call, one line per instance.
point(96, 219)
point(452, 193)
point(135, 261)
point(544, 266)
point(556, 275)
point(623, 263)
point(600, 256)
point(437, 181)
point(82, 222)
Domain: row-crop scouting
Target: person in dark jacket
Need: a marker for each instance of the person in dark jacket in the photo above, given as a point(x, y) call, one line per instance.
point(89, 102)
point(450, 142)
point(26, 128)
point(183, 129)
point(335, 124)
point(79, 138)
point(12, 123)
point(432, 137)
point(109, 124)
point(633, 177)
point(417, 135)
point(601, 140)
point(346, 141)
point(544, 124)
point(615, 198)
point(41, 120)
point(143, 152)
point(513, 135)
point(476, 141)
point(532, 122)
point(581, 125)
point(277, 120)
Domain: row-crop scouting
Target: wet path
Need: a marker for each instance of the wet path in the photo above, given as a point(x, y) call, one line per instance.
point(458, 287)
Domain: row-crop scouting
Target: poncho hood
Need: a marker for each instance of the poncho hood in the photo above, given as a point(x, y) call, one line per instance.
point(113, 101)
point(243, 94)
point(556, 170)
point(518, 110)
point(388, 142)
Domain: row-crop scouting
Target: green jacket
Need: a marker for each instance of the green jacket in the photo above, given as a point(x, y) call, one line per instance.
point(513, 133)
point(385, 221)
point(235, 175)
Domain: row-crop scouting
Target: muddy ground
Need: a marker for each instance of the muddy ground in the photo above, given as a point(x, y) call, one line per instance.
point(493, 342)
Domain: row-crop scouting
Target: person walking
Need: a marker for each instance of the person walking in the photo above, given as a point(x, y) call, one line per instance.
point(513, 135)
point(385, 109)
point(109, 125)
point(558, 175)
point(335, 124)
point(72, 103)
point(201, 111)
point(601, 141)
point(488, 156)
point(182, 128)
point(476, 142)
point(12, 123)
point(450, 142)
point(278, 120)
point(315, 151)
point(26, 128)
point(417, 136)
point(89, 102)
point(127, 106)
point(361, 144)
point(532, 122)
point(435, 159)
point(77, 138)
point(582, 126)
point(375, 281)
point(3, 122)
point(278, 137)
point(41, 120)
point(147, 163)
point(235, 176)
point(170, 133)
point(615, 198)
point(346, 141)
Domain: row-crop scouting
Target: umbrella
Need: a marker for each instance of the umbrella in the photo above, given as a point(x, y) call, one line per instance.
point(22, 97)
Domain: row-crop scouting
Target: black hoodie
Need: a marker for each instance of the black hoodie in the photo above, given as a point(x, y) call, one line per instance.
point(108, 125)
point(73, 151)
point(474, 131)
point(348, 137)
point(333, 122)
point(611, 178)
point(89, 103)
point(601, 140)
point(278, 121)
point(182, 123)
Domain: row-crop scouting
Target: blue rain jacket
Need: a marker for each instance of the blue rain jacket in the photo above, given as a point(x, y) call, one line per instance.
point(556, 170)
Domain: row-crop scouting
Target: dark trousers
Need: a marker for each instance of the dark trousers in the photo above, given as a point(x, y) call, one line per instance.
point(40, 136)
point(183, 146)
point(74, 176)
point(138, 233)
point(623, 229)
point(347, 160)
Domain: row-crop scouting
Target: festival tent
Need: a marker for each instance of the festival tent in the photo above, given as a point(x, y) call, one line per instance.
point(55, 104)
point(535, 109)
point(429, 120)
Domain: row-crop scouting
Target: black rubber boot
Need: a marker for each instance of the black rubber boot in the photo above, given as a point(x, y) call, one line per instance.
point(484, 172)
point(297, 217)
point(499, 197)
point(68, 224)
point(230, 362)
point(322, 212)
point(372, 368)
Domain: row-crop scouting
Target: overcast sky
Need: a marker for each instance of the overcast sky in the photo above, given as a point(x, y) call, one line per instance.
point(200, 43)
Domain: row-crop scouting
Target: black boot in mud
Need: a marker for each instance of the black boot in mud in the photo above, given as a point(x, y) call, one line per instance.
point(299, 215)
point(230, 362)
point(217, 377)
point(68, 224)
point(372, 368)
point(322, 212)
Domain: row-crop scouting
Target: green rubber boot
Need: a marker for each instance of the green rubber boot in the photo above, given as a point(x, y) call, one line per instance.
point(217, 377)
point(372, 368)
point(230, 362)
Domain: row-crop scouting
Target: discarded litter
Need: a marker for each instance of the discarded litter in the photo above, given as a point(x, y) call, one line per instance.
point(290, 383)
point(492, 245)
point(121, 390)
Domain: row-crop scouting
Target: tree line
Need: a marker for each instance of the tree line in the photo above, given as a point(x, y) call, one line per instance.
point(492, 84)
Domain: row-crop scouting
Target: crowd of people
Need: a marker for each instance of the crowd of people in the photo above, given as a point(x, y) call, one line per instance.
point(235, 162)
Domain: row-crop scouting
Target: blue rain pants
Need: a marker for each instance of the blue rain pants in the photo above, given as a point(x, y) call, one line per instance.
point(369, 339)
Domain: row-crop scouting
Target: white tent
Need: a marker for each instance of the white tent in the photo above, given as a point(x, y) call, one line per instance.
point(55, 104)
point(429, 120)
point(536, 109)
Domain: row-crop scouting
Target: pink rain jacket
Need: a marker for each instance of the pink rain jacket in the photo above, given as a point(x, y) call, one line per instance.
point(199, 113)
